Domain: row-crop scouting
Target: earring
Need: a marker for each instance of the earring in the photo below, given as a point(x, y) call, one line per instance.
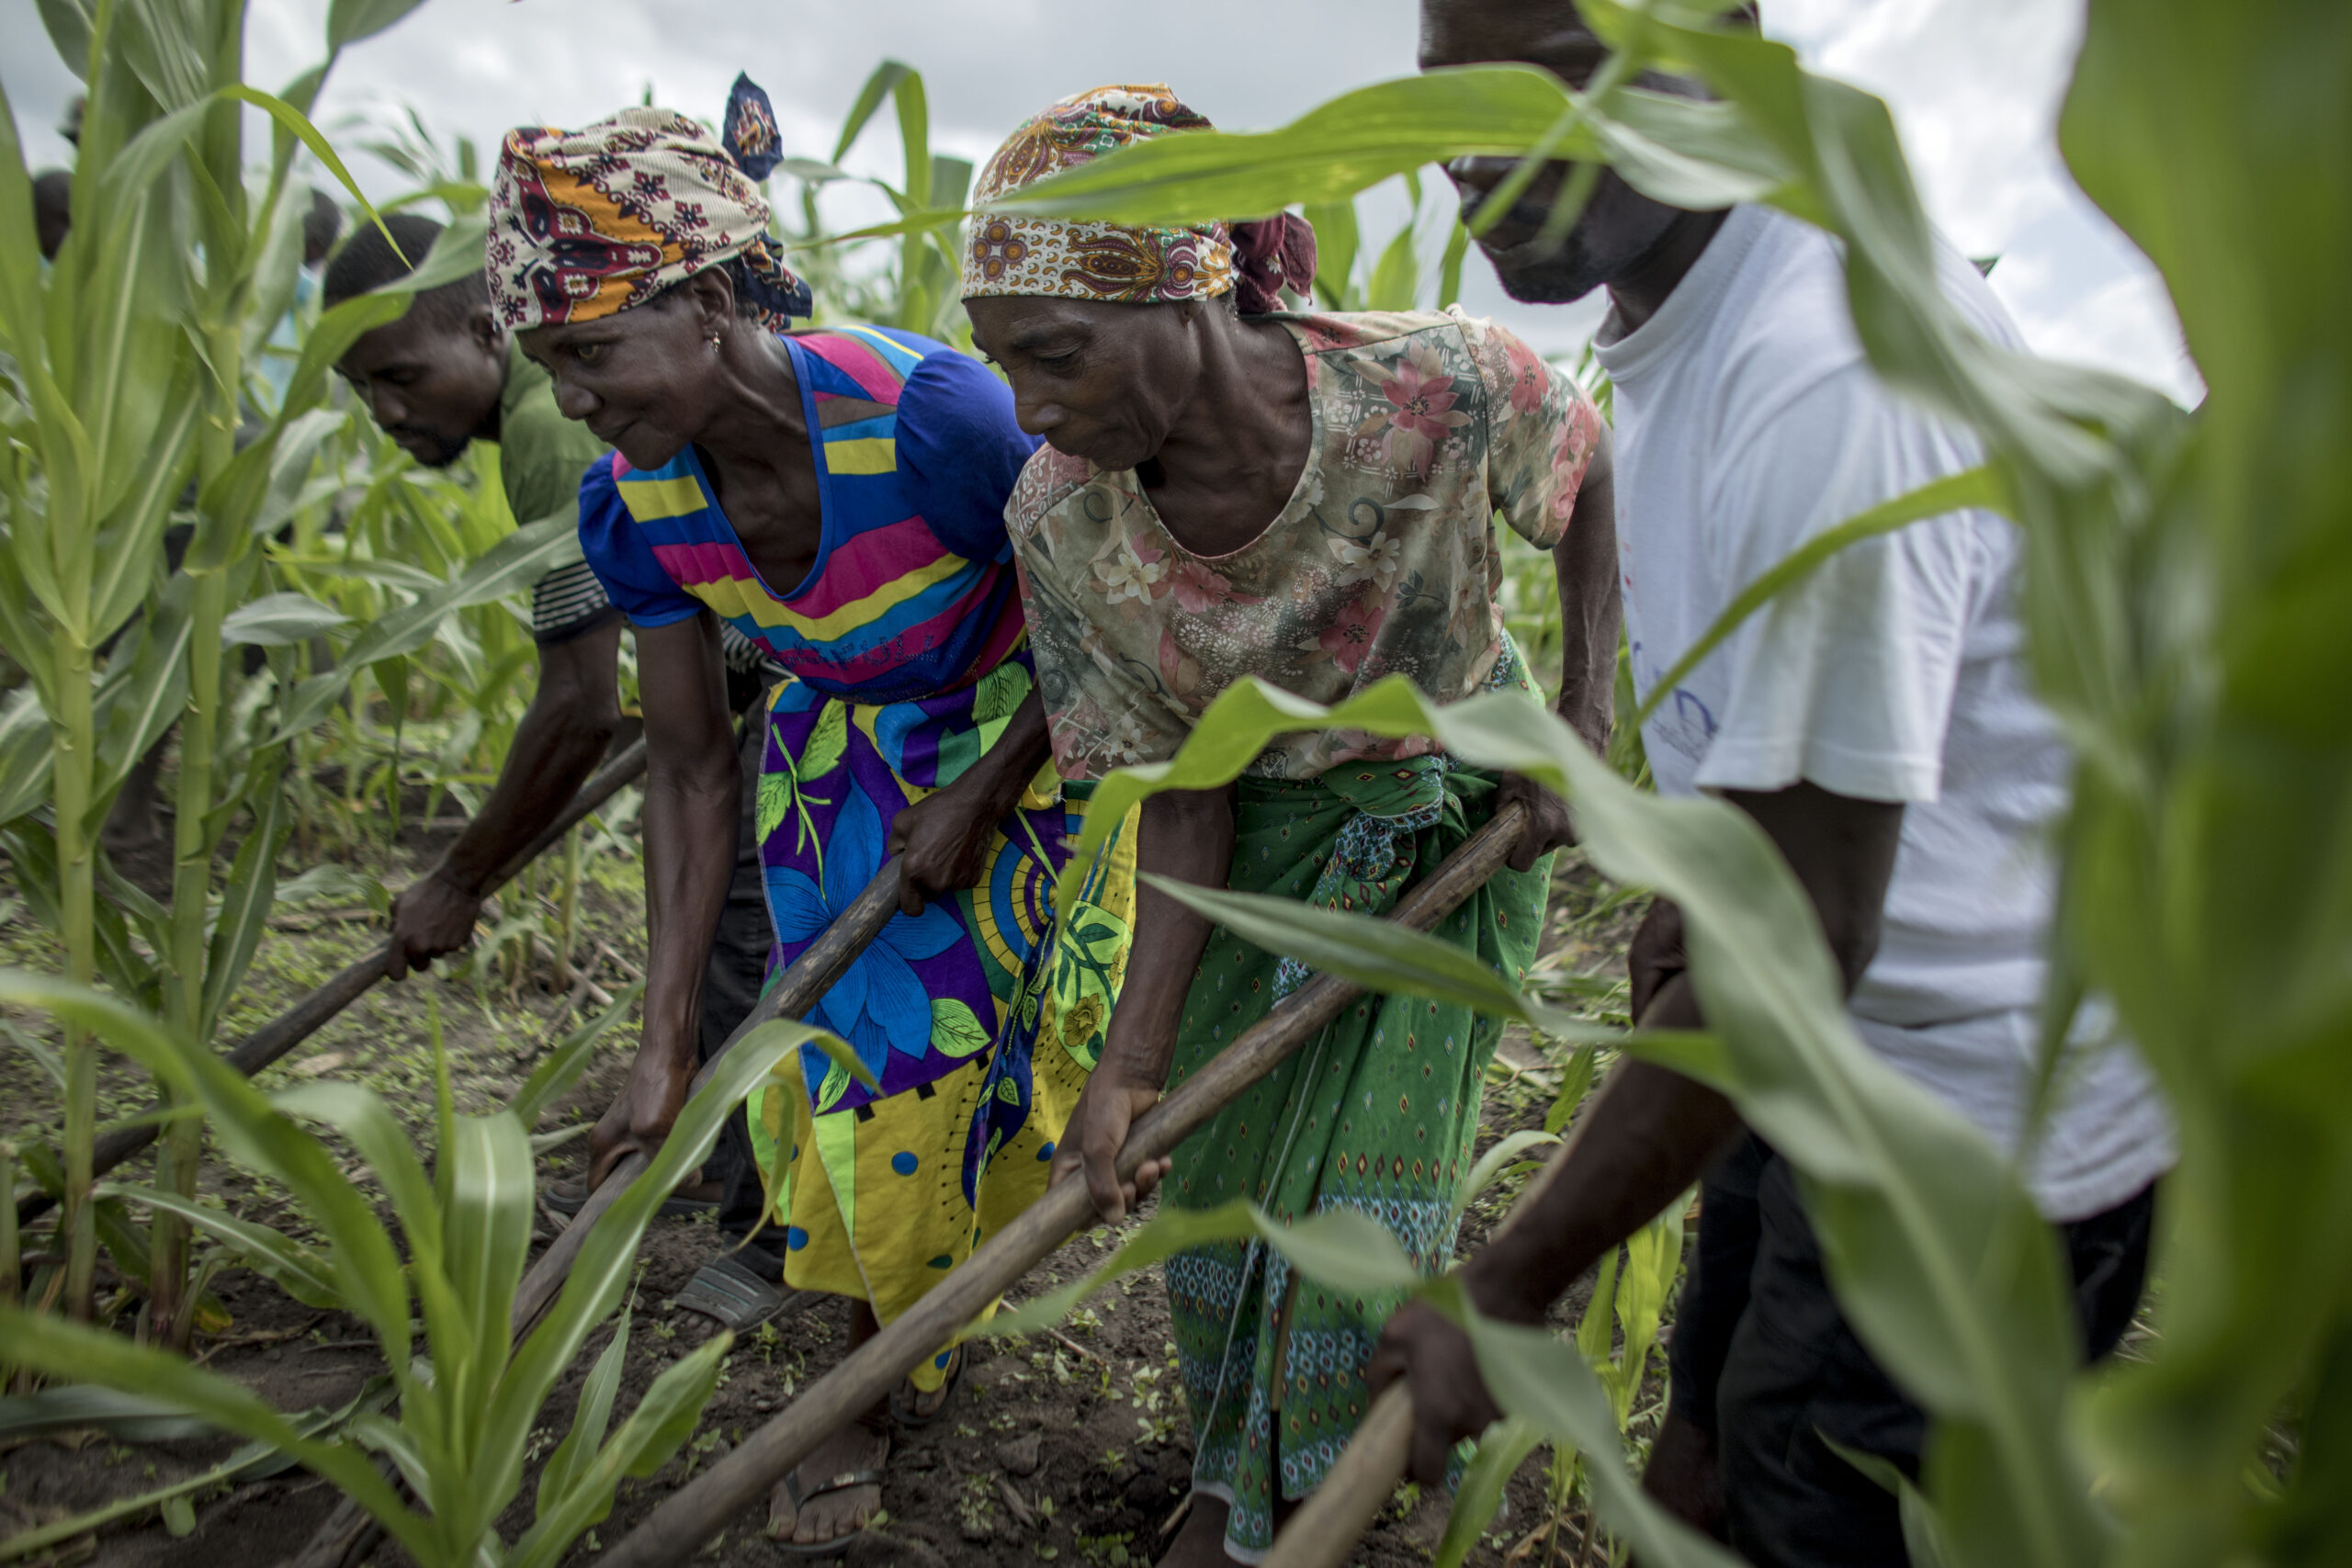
point(713, 342)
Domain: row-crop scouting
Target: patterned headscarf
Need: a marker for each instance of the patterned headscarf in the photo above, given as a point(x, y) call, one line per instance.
point(1078, 260)
point(587, 223)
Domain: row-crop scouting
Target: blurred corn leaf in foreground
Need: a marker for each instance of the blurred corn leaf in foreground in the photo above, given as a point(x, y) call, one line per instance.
point(2189, 596)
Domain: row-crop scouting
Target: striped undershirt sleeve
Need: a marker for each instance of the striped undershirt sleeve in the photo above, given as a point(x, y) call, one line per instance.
point(568, 603)
point(745, 657)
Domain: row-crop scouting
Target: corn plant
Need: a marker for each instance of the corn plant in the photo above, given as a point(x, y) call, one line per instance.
point(1617, 1337)
point(107, 431)
point(470, 1392)
point(452, 175)
point(920, 294)
point(407, 537)
point(1393, 279)
point(128, 365)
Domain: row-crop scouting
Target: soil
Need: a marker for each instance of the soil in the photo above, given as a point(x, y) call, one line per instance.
point(1071, 1447)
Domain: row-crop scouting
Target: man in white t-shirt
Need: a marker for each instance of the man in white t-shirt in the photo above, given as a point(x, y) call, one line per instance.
point(1878, 722)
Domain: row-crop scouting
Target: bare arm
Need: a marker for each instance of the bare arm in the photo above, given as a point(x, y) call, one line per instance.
point(1585, 562)
point(563, 734)
point(691, 806)
point(1186, 836)
point(1651, 1133)
point(1591, 609)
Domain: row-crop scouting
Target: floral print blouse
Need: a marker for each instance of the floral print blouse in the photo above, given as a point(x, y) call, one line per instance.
point(1383, 561)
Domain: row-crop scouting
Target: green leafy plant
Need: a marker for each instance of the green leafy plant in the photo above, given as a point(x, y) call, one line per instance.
point(131, 403)
point(471, 1392)
point(920, 293)
point(1393, 280)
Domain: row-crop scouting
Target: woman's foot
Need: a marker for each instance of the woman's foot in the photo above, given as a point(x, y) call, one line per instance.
point(1201, 1542)
point(922, 1405)
point(831, 1508)
point(912, 1406)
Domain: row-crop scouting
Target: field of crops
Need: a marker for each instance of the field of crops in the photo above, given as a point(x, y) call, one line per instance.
point(258, 666)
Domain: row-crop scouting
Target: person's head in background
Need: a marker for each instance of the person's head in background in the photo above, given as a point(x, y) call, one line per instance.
point(430, 380)
point(1620, 230)
point(52, 210)
point(320, 227)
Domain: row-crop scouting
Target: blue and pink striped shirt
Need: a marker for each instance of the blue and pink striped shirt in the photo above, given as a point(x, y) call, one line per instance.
point(913, 591)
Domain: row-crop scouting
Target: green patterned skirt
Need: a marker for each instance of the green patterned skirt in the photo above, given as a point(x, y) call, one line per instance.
point(1377, 1114)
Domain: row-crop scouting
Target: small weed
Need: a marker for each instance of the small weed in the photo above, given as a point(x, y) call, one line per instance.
point(977, 1507)
point(1110, 1550)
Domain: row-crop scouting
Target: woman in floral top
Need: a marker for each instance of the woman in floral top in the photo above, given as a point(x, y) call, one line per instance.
point(1224, 493)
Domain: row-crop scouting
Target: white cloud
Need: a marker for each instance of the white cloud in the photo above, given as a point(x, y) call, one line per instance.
point(1975, 87)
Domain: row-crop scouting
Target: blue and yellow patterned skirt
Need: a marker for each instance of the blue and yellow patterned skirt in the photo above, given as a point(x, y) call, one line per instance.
point(980, 1017)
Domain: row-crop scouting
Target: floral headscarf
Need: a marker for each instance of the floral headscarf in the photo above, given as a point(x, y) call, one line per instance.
point(1078, 260)
point(587, 223)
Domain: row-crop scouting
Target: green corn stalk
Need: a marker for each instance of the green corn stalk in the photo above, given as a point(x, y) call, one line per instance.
point(568, 907)
point(246, 290)
point(76, 740)
point(129, 362)
point(11, 1253)
point(130, 356)
point(1398, 275)
point(109, 385)
point(919, 294)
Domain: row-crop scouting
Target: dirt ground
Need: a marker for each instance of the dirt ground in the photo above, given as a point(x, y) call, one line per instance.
point(1070, 1446)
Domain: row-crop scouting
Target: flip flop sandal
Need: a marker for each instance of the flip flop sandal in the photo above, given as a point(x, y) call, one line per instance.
point(844, 1482)
point(725, 1290)
point(568, 1198)
point(902, 1404)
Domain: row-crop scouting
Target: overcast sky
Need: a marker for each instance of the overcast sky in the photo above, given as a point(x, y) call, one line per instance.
point(1975, 85)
